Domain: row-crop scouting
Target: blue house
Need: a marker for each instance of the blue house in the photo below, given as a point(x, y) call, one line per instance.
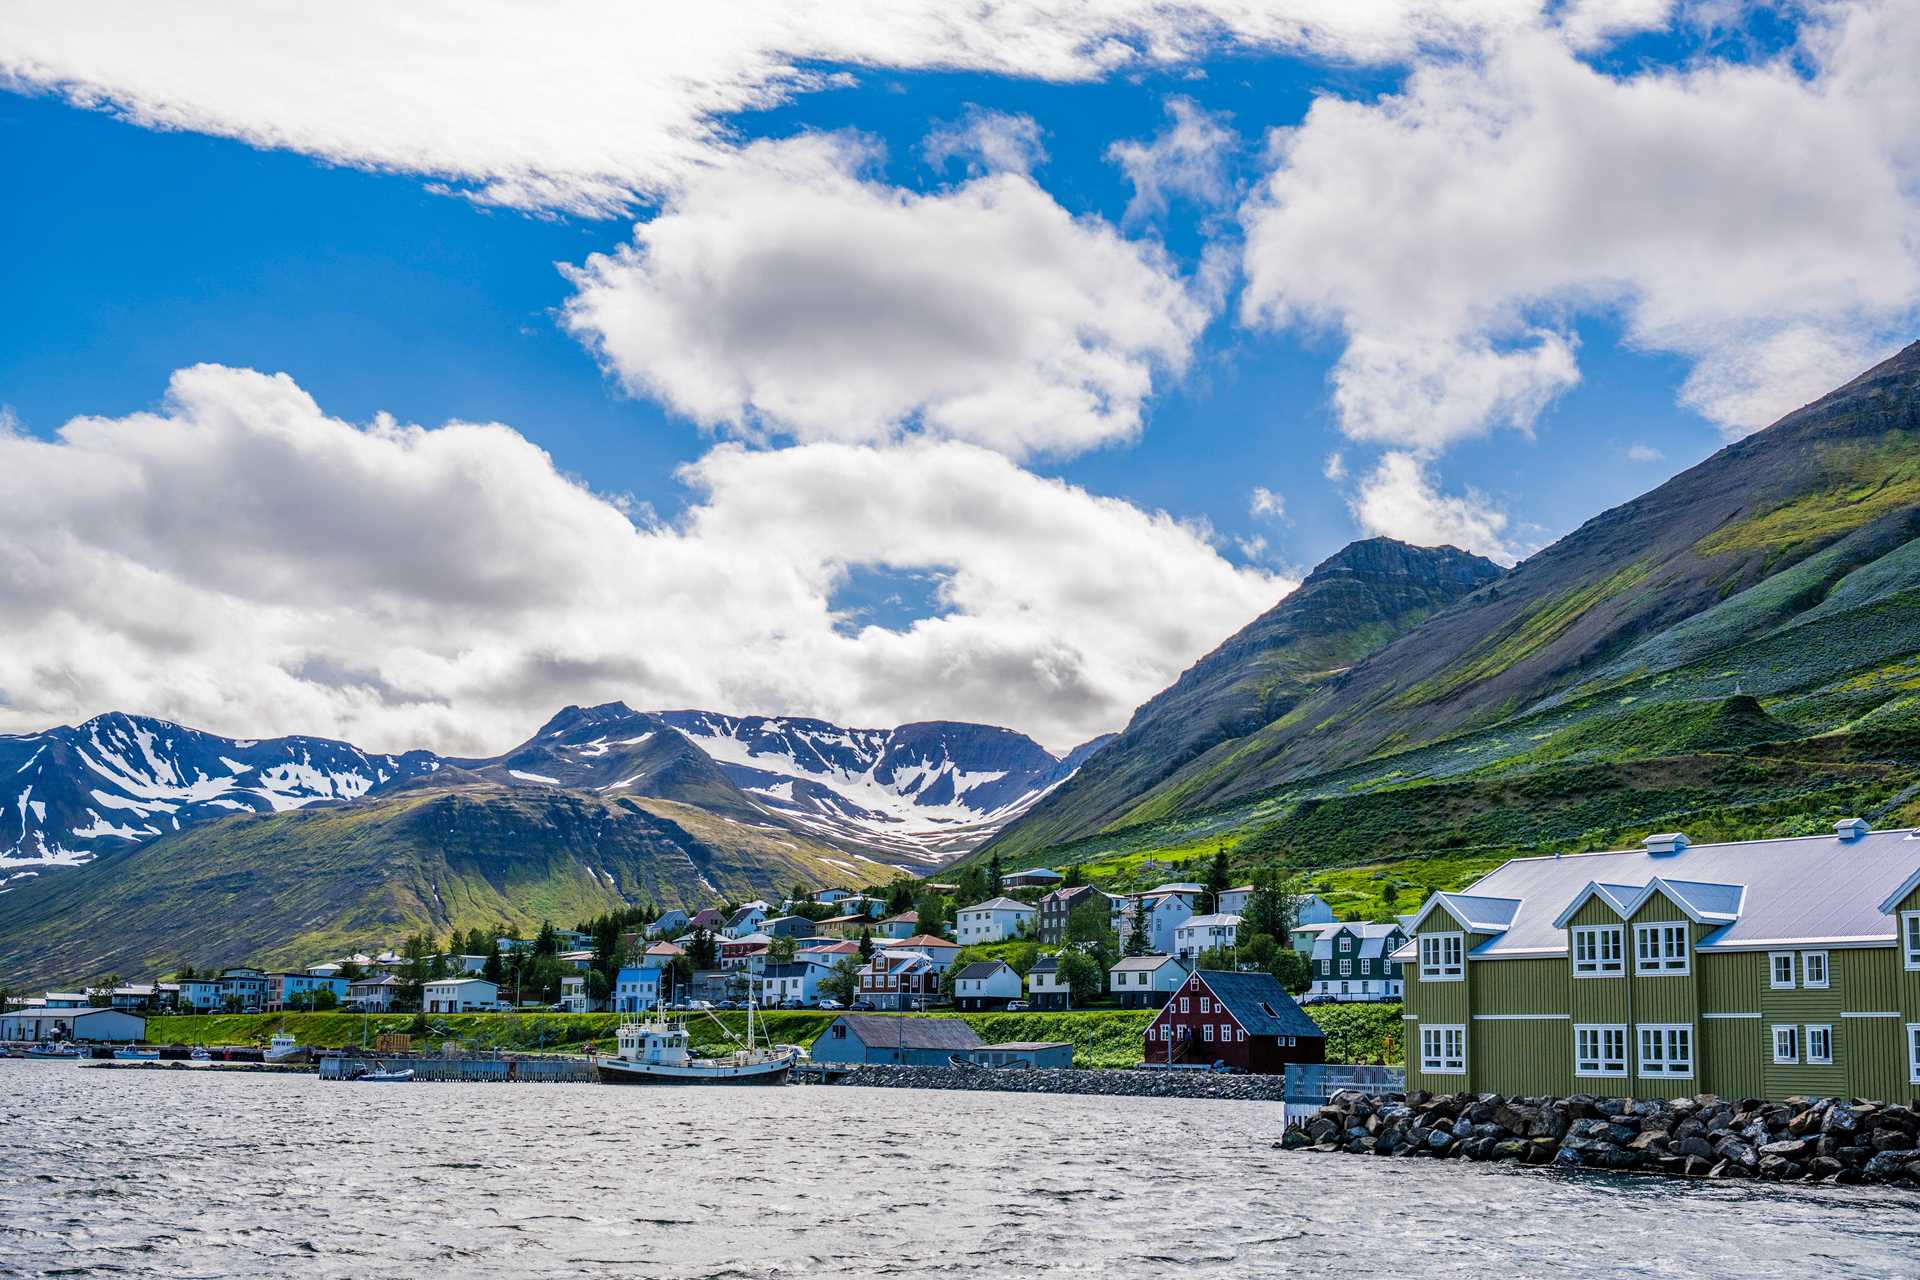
point(635, 990)
point(858, 1039)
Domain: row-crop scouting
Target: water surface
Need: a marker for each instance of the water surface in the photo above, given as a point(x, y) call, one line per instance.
point(146, 1173)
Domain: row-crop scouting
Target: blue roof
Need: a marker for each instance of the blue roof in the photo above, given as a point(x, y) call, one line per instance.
point(1259, 1003)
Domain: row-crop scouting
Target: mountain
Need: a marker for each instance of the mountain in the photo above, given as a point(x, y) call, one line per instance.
point(120, 780)
point(448, 850)
point(922, 792)
point(1735, 648)
point(1349, 606)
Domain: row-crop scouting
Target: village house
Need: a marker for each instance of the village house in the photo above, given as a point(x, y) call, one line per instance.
point(580, 960)
point(201, 995)
point(575, 993)
point(828, 951)
point(748, 953)
point(297, 990)
point(140, 997)
point(668, 924)
point(865, 1039)
point(1050, 1055)
point(459, 995)
point(828, 897)
point(1751, 969)
point(1354, 962)
point(746, 920)
point(794, 982)
point(904, 925)
point(1198, 934)
point(995, 920)
point(1163, 910)
point(897, 979)
point(636, 989)
point(1047, 989)
point(65, 1000)
point(1032, 878)
point(243, 989)
point(1245, 1020)
point(374, 993)
point(1056, 907)
point(789, 927)
point(985, 984)
point(1145, 982)
point(844, 926)
point(707, 918)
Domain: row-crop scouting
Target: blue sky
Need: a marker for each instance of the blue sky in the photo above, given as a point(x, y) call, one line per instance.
point(1591, 365)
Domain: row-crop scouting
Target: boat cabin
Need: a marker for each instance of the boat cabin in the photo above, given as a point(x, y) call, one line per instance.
point(652, 1043)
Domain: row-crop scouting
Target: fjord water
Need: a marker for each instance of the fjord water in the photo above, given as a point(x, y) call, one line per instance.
point(150, 1173)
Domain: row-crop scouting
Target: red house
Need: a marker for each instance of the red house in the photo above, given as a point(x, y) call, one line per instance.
point(1246, 1020)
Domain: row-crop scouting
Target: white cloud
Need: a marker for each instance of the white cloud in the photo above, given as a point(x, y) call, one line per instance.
point(1188, 158)
point(988, 142)
point(240, 561)
point(785, 293)
point(1265, 502)
point(1759, 221)
point(583, 105)
point(1398, 498)
point(1644, 453)
point(1335, 467)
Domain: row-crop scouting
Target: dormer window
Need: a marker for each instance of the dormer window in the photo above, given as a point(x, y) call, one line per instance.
point(1443, 957)
point(1346, 943)
point(1660, 949)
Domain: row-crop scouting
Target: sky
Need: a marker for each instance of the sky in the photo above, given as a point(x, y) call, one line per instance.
point(403, 374)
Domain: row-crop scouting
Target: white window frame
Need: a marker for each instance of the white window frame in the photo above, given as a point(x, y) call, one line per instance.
point(1599, 964)
point(1913, 1053)
point(1910, 933)
point(1775, 959)
point(1667, 1065)
point(1605, 1059)
point(1786, 1045)
point(1206, 1031)
point(1346, 968)
point(1807, 961)
point(1824, 1059)
point(1443, 1048)
point(1664, 963)
point(1346, 944)
point(1445, 960)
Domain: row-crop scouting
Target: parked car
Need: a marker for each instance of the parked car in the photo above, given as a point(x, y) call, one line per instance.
point(862, 1006)
point(832, 1004)
point(1017, 1006)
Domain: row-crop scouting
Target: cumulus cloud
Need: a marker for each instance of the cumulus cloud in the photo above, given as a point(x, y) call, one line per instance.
point(240, 561)
point(1400, 499)
point(1644, 453)
point(987, 142)
point(1265, 502)
point(1188, 159)
point(587, 104)
point(1759, 220)
point(785, 292)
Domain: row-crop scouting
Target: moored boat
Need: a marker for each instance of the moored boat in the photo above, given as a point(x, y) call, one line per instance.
point(660, 1052)
point(381, 1074)
point(200, 1054)
point(134, 1053)
point(284, 1048)
point(46, 1049)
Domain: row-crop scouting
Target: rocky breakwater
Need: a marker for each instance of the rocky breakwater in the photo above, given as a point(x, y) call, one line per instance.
point(1118, 1084)
point(1801, 1139)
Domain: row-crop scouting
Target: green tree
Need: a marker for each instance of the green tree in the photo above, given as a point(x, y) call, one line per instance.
point(1219, 876)
point(1390, 894)
point(492, 969)
point(799, 893)
point(843, 982)
point(933, 913)
point(900, 896)
point(1140, 935)
point(971, 886)
point(866, 945)
point(1274, 904)
point(6, 999)
point(1291, 969)
point(780, 950)
point(415, 970)
point(702, 949)
point(546, 942)
point(1076, 876)
point(323, 1000)
point(351, 971)
point(100, 994)
point(994, 877)
point(1084, 977)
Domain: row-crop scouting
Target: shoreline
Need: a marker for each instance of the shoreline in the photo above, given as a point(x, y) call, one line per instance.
point(1092, 1082)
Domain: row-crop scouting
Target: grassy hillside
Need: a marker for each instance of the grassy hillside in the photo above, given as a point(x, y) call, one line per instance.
point(1736, 653)
point(1101, 1038)
point(297, 887)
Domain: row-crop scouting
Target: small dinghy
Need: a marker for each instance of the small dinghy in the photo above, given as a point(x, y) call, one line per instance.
point(133, 1053)
point(200, 1054)
point(380, 1074)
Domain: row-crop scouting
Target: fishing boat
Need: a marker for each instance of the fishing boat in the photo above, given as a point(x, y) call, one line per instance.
point(284, 1048)
point(46, 1049)
point(133, 1053)
point(200, 1054)
point(660, 1052)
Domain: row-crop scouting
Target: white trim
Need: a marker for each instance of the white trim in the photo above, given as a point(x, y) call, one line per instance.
point(1708, 1017)
point(1905, 939)
point(1443, 1030)
point(1913, 1053)
point(1446, 968)
point(1907, 886)
point(1806, 1043)
point(1792, 1056)
point(1662, 966)
point(1521, 1017)
point(1773, 970)
point(1774, 944)
point(1663, 1033)
point(1600, 966)
point(1414, 1017)
point(1602, 1070)
point(1806, 971)
point(1872, 1013)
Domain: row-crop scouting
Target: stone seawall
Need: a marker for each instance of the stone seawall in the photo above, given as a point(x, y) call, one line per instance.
point(1119, 1084)
point(1802, 1139)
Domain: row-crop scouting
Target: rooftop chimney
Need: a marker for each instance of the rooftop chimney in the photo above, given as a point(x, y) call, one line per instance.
point(1851, 828)
point(1666, 843)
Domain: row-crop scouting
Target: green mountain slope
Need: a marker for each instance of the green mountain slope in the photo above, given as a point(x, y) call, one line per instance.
point(1764, 605)
point(300, 886)
point(1349, 606)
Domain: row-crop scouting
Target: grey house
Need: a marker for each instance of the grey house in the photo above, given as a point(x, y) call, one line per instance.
point(856, 1039)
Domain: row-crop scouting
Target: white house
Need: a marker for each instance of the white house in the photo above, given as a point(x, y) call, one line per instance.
point(670, 924)
point(1196, 934)
point(827, 897)
point(1145, 982)
point(460, 995)
point(1312, 909)
point(985, 984)
point(636, 989)
point(72, 1024)
point(373, 993)
point(1046, 987)
point(1162, 913)
point(745, 921)
point(574, 993)
point(1033, 878)
point(995, 920)
point(200, 994)
point(795, 981)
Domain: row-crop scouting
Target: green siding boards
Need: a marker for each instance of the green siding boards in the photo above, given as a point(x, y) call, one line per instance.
point(1875, 1053)
point(1596, 911)
point(1534, 1056)
point(1730, 1050)
point(1520, 986)
point(1731, 981)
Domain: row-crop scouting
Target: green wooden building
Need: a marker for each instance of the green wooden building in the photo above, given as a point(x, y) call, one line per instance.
point(1759, 969)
